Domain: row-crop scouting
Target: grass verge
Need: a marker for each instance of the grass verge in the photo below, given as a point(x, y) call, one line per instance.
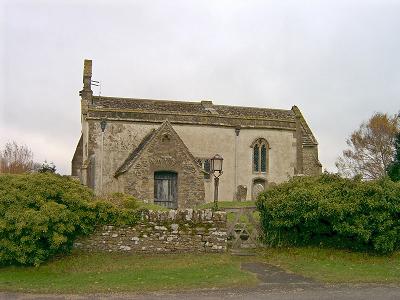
point(106, 272)
point(335, 266)
point(113, 272)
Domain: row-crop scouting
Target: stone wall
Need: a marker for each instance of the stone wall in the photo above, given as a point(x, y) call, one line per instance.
point(312, 166)
point(171, 231)
point(77, 160)
point(120, 139)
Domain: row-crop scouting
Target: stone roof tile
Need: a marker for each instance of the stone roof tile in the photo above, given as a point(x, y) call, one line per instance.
point(184, 107)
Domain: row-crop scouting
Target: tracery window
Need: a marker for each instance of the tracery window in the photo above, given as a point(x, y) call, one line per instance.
point(260, 155)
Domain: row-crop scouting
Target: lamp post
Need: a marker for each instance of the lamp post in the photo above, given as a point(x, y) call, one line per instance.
point(216, 169)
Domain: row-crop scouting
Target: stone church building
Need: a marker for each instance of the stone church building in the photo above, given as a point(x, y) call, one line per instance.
point(159, 151)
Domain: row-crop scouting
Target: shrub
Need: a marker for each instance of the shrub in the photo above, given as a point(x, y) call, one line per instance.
point(42, 214)
point(331, 211)
point(122, 200)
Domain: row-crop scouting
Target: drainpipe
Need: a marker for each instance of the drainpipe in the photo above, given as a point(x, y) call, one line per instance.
point(103, 124)
point(237, 131)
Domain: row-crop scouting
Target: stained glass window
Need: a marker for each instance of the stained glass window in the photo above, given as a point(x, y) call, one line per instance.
point(260, 158)
point(256, 155)
point(263, 158)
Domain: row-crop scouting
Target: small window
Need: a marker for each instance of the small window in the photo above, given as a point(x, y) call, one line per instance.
point(260, 155)
point(205, 164)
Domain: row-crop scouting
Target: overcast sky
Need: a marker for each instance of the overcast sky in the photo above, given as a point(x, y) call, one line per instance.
point(339, 61)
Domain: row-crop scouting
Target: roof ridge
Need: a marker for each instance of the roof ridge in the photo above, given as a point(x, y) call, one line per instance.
point(149, 100)
point(200, 102)
point(275, 109)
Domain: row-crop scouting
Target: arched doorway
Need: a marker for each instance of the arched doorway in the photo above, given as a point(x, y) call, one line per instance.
point(166, 189)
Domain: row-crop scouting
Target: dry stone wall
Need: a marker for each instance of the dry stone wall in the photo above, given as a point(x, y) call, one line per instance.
point(163, 232)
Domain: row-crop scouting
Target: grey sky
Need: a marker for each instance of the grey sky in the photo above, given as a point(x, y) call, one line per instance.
point(337, 60)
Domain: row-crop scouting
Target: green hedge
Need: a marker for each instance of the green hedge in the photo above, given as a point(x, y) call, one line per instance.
point(331, 211)
point(42, 214)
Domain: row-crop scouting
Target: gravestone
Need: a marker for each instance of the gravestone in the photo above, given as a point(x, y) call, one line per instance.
point(257, 188)
point(241, 193)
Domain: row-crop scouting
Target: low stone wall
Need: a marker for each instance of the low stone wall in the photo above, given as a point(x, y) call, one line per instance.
point(163, 232)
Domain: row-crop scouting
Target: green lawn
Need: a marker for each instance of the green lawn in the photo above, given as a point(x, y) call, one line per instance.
point(335, 266)
point(104, 272)
point(80, 273)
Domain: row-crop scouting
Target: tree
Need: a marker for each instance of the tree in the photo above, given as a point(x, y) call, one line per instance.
point(394, 168)
point(47, 168)
point(371, 148)
point(15, 159)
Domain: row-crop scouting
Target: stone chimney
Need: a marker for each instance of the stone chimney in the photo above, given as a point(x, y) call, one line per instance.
point(87, 74)
point(86, 100)
point(86, 93)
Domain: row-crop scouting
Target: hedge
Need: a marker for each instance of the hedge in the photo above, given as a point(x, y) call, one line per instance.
point(334, 212)
point(42, 214)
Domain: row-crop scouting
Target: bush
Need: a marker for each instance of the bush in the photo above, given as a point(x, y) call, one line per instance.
point(42, 214)
point(122, 200)
point(331, 211)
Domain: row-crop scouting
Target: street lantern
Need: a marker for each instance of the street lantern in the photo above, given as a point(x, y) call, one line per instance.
point(103, 124)
point(216, 164)
point(216, 169)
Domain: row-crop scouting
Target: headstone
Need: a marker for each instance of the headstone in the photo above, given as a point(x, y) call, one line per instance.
point(241, 193)
point(257, 188)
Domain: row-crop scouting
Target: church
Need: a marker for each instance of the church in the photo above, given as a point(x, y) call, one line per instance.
point(159, 151)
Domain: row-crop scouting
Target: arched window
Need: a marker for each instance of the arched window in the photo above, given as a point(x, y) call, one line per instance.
point(260, 155)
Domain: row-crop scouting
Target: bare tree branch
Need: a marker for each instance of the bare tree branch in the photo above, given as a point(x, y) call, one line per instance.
point(371, 148)
point(16, 159)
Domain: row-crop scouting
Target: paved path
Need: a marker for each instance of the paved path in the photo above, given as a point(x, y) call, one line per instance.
point(275, 284)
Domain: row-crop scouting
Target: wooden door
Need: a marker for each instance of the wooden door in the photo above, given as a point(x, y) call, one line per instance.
point(166, 188)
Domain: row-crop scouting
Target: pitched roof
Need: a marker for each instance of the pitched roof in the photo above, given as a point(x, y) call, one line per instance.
point(220, 114)
point(308, 137)
point(128, 162)
point(152, 135)
point(186, 107)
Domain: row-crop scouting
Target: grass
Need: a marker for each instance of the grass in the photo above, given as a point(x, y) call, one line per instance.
point(115, 272)
point(335, 266)
point(227, 204)
point(104, 272)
